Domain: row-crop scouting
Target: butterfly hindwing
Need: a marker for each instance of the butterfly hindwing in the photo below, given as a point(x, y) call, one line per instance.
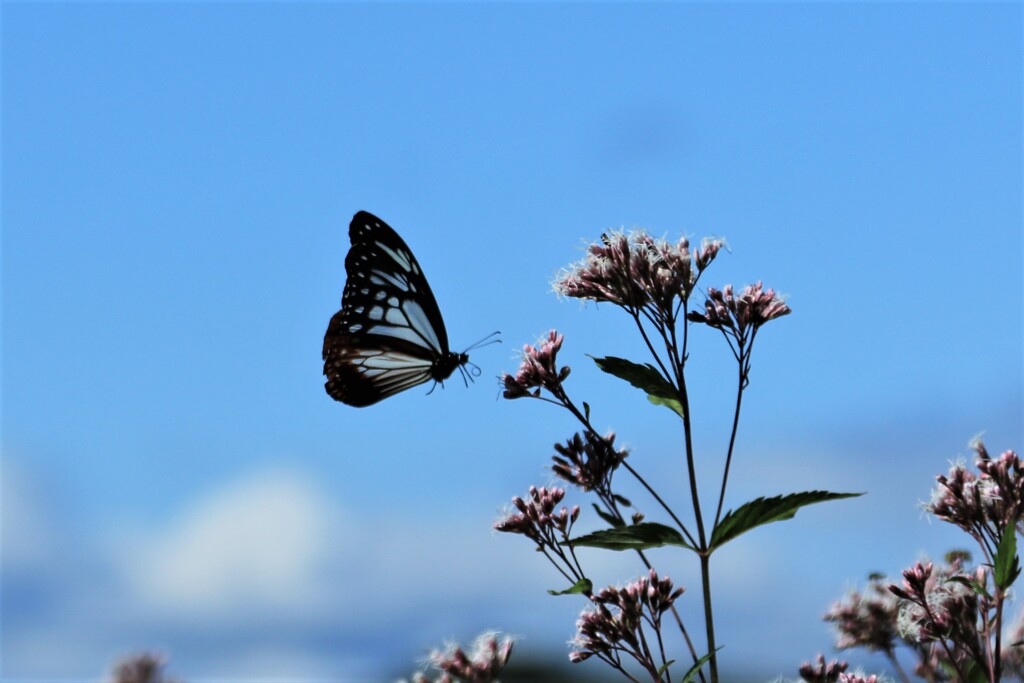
point(389, 334)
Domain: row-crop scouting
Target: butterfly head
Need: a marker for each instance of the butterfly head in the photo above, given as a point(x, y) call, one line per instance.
point(445, 365)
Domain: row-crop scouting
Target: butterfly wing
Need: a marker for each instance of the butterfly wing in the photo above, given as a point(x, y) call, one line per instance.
point(389, 334)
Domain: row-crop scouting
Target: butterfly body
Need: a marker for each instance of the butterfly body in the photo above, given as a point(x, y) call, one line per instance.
point(389, 334)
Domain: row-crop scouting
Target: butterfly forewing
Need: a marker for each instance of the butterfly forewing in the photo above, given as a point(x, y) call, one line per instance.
point(389, 334)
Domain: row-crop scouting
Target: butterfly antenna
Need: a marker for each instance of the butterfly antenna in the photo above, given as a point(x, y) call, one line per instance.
point(468, 375)
point(486, 341)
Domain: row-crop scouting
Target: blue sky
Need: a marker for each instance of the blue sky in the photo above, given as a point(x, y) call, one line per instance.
point(177, 185)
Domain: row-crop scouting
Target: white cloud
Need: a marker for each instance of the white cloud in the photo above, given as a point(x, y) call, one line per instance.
point(27, 541)
point(254, 567)
point(258, 545)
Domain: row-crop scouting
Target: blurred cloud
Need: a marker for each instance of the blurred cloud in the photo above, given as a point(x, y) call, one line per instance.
point(258, 544)
point(27, 540)
point(263, 575)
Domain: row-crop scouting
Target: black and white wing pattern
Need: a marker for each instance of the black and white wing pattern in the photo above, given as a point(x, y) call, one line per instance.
point(389, 334)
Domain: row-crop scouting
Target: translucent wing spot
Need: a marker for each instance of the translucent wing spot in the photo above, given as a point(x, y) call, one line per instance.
point(380, 295)
point(376, 313)
point(392, 361)
point(395, 316)
point(418, 319)
point(364, 290)
point(379, 277)
point(355, 327)
point(394, 302)
point(399, 332)
point(399, 258)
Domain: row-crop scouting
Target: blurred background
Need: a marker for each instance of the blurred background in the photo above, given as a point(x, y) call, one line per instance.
point(178, 181)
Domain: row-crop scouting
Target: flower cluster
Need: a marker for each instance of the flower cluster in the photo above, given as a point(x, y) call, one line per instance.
point(538, 370)
point(588, 460)
point(614, 624)
point(636, 271)
point(983, 505)
point(536, 519)
point(857, 678)
point(942, 605)
point(866, 620)
point(142, 668)
point(482, 665)
point(820, 672)
point(740, 317)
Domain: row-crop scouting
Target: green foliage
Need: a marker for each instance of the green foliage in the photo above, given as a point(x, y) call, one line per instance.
point(581, 586)
point(1007, 563)
point(976, 587)
point(634, 537)
point(646, 377)
point(693, 670)
point(766, 510)
point(611, 519)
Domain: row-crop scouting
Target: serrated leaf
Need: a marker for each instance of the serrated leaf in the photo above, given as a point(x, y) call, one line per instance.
point(581, 586)
point(672, 404)
point(611, 519)
point(688, 676)
point(633, 537)
point(766, 510)
point(646, 377)
point(1007, 564)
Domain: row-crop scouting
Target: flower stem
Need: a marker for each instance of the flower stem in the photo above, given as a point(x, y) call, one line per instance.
point(705, 576)
point(732, 444)
point(705, 572)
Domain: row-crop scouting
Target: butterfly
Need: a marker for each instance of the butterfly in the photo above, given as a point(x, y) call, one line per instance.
point(389, 335)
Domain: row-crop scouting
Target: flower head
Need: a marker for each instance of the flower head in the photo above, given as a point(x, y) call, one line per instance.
point(857, 678)
point(538, 369)
point(939, 603)
point(483, 663)
point(536, 518)
point(987, 504)
point(635, 271)
point(740, 316)
point(866, 620)
point(142, 668)
point(588, 460)
point(820, 672)
point(618, 615)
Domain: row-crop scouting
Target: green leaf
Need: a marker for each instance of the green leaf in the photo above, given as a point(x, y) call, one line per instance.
point(581, 586)
point(633, 537)
point(1007, 564)
point(664, 667)
point(611, 519)
point(767, 510)
point(970, 583)
point(689, 675)
point(646, 377)
point(976, 673)
point(586, 410)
